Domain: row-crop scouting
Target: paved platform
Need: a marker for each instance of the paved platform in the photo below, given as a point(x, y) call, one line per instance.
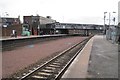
point(78, 68)
point(104, 59)
point(98, 59)
point(31, 36)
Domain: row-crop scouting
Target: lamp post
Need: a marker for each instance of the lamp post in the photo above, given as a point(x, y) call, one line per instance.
point(5, 25)
point(110, 18)
point(112, 31)
point(114, 18)
point(104, 22)
point(109, 31)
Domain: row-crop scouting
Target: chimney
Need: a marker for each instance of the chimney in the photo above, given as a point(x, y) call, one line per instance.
point(49, 17)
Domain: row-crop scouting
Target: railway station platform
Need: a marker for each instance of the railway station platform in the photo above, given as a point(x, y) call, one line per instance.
point(31, 36)
point(98, 59)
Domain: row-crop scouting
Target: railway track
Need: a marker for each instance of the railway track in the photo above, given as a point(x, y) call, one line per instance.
point(55, 68)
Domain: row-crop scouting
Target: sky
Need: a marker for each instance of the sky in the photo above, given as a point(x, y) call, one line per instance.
point(67, 11)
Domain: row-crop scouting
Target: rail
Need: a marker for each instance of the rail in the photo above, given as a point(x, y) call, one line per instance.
point(55, 67)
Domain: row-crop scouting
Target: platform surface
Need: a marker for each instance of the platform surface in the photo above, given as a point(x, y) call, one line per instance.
point(104, 59)
point(98, 59)
point(31, 36)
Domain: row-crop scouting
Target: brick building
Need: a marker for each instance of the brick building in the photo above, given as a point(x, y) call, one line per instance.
point(10, 21)
point(9, 24)
point(7, 31)
point(38, 19)
point(38, 23)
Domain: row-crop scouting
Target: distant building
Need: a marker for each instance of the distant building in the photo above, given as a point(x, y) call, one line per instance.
point(9, 21)
point(37, 22)
point(46, 20)
point(38, 19)
point(10, 24)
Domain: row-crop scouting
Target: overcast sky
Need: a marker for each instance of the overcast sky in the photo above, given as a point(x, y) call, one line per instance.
point(68, 11)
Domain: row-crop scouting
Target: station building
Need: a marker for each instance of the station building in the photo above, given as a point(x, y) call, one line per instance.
point(9, 24)
point(10, 21)
point(37, 24)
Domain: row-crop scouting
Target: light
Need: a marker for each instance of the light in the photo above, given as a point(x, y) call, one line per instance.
point(114, 12)
point(105, 12)
point(4, 25)
point(38, 27)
